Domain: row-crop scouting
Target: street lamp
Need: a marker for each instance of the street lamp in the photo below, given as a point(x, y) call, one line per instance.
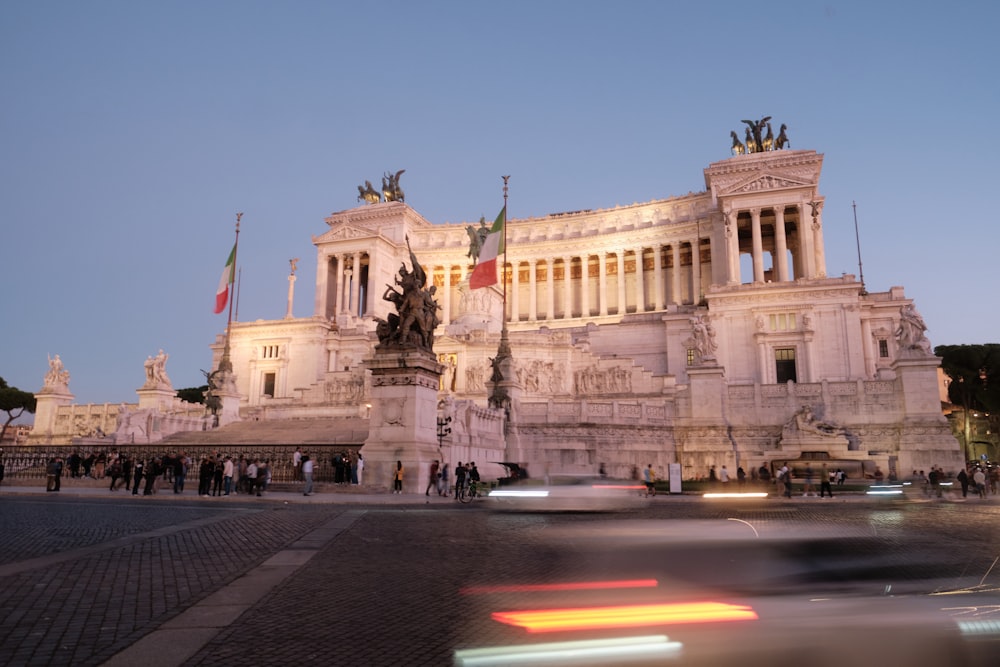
point(443, 429)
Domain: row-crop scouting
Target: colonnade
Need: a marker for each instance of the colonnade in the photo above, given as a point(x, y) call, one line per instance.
point(595, 284)
point(807, 253)
point(346, 284)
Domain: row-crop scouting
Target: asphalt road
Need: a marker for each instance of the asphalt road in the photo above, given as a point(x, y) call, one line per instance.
point(94, 579)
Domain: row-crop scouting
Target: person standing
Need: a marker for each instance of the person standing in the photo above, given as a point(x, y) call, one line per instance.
point(649, 477)
point(140, 466)
point(724, 477)
point(297, 463)
point(963, 479)
point(397, 478)
point(785, 478)
point(432, 480)
point(227, 475)
point(824, 482)
point(251, 477)
point(442, 488)
point(807, 482)
point(979, 477)
point(307, 474)
point(361, 467)
point(459, 479)
point(180, 463)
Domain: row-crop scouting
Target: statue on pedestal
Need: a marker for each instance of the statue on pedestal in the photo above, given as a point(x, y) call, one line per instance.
point(804, 421)
point(416, 317)
point(910, 332)
point(58, 376)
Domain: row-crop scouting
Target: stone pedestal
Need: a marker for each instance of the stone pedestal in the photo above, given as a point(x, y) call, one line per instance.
point(707, 389)
point(478, 310)
point(229, 399)
point(158, 399)
point(47, 402)
point(403, 425)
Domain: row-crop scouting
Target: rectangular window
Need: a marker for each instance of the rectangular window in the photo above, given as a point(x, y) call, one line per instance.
point(883, 348)
point(269, 384)
point(784, 364)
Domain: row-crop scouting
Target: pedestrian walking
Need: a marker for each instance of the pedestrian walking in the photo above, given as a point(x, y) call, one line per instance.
point(307, 474)
point(979, 477)
point(432, 480)
point(963, 479)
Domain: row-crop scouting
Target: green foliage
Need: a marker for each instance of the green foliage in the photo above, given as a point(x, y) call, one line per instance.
point(193, 394)
point(15, 403)
point(975, 375)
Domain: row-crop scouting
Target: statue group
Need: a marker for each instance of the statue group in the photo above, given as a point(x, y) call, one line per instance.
point(416, 315)
point(156, 370)
point(58, 376)
point(758, 142)
point(390, 189)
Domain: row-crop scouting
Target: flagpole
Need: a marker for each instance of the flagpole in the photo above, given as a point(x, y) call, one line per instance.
point(226, 364)
point(505, 219)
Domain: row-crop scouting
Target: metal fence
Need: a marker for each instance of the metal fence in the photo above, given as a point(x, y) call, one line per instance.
point(28, 462)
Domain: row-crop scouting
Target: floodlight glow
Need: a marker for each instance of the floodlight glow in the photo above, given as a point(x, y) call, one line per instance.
point(618, 486)
point(519, 493)
point(759, 494)
point(566, 586)
point(617, 650)
point(884, 491)
point(625, 616)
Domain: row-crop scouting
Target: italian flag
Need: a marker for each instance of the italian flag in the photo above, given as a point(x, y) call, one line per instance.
point(485, 273)
point(222, 293)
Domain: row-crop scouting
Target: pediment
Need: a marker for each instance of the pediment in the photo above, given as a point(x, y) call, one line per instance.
point(345, 233)
point(766, 182)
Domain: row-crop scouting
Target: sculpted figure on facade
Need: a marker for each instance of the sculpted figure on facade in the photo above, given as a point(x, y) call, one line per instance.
point(474, 374)
point(703, 336)
point(156, 373)
point(756, 141)
point(910, 333)
point(804, 421)
point(58, 376)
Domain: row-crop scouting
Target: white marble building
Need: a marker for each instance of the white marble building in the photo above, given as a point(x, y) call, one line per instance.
point(687, 330)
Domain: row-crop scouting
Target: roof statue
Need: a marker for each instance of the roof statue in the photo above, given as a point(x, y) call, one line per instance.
point(390, 189)
point(756, 141)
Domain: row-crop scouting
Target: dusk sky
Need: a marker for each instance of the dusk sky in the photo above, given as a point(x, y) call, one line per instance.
point(133, 132)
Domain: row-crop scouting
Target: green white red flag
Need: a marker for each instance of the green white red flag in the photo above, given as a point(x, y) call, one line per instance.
point(222, 293)
point(485, 273)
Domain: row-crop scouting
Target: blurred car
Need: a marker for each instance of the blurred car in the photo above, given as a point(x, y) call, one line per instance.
point(569, 493)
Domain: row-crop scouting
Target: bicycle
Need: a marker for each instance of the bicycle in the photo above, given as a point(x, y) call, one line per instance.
point(468, 491)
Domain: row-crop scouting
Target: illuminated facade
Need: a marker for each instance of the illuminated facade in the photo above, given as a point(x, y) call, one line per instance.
point(689, 330)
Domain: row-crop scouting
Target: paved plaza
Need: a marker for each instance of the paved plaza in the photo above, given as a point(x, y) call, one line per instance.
point(93, 578)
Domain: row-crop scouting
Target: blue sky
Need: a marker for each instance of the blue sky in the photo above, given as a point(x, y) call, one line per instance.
point(133, 131)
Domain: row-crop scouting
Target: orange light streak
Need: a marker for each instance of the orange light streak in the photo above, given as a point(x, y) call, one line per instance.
point(627, 616)
point(568, 586)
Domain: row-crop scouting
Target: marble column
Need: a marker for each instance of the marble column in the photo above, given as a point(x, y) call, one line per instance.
point(820, 250)
point(658, 277)
point(515, 288)
point(567, 287)
point(355, 280)
point(780, 245)
point(640, 287)
point(584, 285)
point(532, 290)
point(338, 303)
point(675, 274)
point(602, 282)
point(696, 271)
point(758, 246)
point(550, 300)
point(445, 299)
point(622, 304)
point(806, 247)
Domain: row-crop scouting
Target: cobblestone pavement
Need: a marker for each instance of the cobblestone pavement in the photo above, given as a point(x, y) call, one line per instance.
point(95, 580)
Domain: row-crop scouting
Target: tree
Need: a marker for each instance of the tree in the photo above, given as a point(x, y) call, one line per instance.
point(973, 371)
point(15, 403)
point(192, 394)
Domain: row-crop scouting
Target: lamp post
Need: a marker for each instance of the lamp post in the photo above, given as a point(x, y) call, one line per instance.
point(443, 429)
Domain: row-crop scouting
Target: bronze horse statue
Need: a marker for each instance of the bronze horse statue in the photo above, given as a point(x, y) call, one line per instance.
point(368, 193)
point(738, 147)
